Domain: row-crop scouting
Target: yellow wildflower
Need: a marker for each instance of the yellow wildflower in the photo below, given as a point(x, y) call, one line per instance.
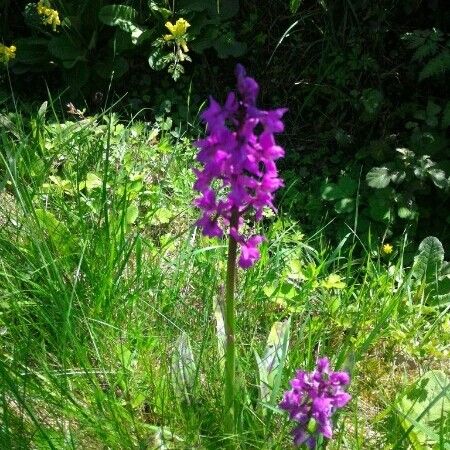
point(49, 16)
point(178, 33)
point(7, 53)
point(387, 249)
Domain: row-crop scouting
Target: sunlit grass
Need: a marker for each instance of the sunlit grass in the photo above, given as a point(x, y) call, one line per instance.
point(102, 271)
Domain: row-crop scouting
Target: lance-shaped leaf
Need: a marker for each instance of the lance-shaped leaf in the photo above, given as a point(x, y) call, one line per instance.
point(184, 369)
point(271, 364)
point(220, 332)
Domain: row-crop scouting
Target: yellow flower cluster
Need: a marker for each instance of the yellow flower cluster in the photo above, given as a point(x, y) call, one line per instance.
point(49, 16)
point(7, 53)
point(178, 33)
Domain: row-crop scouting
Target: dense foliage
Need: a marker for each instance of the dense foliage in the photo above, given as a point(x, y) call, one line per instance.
point(366, 84)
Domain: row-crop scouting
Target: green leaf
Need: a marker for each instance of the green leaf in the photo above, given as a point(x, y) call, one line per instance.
point(163, 438)
point(226, 46)
point(118, 15)
point(184, 369)
point(378, 177)
point(380, 205)
point(405, 212)
point(436, 66)
point(56, 230)
point(157, 10)
point(114, 65)
point(333, 281)
point(425, 409)
point(271, 364)
point(42, 110)
point(219, 10)
point(344, 205)
point(330, 192)
point(158, 59)
point(161, 216)
point(67, 50)
point(344, 189)
point(63, 186)
point(429, 260)
point(438, 177)
point(220, 331)
point(371, 100)
point(92, 182)
point(132, 214)
point(294, 5)
point(32, 51)
point(281, 294)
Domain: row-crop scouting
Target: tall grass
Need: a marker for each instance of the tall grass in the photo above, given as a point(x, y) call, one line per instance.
point(104, 282)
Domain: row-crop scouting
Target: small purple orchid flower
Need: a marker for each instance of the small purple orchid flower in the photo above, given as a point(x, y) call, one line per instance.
point(312, 401)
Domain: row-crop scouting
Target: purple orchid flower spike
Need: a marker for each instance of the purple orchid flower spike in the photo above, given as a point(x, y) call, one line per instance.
point(239, 152)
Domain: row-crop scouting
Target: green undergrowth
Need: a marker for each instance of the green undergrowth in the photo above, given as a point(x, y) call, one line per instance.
point(110, 324)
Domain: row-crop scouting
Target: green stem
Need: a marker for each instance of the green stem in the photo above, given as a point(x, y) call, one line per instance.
point(230, 351)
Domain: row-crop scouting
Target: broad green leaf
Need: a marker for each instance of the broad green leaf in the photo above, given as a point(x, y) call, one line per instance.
point(56, 230)
point(164, 13)
point(429, 260)
point(405, 212)
point(281, 293)
point(295, 270)
point(438, 177)
point(227, 46)
point(32, 51)
point(42, 109)
point(398, 176)
point(92, 182)
point(425, 409)
point(436, 66)
point(406, 154)
point(114, 65)
point(138, 400)
point(378, 177)
point(380, 205)
point(345, 188)
point(161, 216)
point(132, 214)
point(66, 49)
point(344, 205)
point(60, 184)
point(117, 15)
point(333, 281)
point(219, 9)
point(157, 59)
point(330, 192)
